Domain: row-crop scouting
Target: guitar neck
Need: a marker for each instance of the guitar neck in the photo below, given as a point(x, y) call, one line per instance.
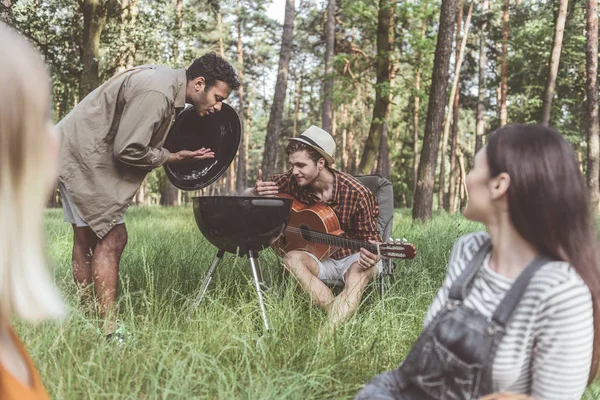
point(333, 240)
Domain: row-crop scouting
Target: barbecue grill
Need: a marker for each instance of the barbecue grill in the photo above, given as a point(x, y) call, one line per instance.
point(238, 225)
point(243, 226)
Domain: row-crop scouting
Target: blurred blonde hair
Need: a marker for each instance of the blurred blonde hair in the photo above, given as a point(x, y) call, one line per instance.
point(26, 172)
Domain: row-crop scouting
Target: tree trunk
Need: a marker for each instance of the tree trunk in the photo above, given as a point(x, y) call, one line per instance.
point(593, 142)
point(460, 51)
point(297, 106)
point(464, 195)
point(230, 175)
point(94, 19)
point(269, 161)
point(447, 123)
point(129, 12)
point(383, 160)
point(453, 167)
point(178, 5)
point(247, 124)
point(344, 115)
point(350, 161)
point(171, 195)
point(480, 125)
point(385, 81)
point(327, 111)
point(417, 101)
point(504, 65)
point(142, 194)
point(242, 173)
point(554, 60)
point(220, 30)
point(423, 198)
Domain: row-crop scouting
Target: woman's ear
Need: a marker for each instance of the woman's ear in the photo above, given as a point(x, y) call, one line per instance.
point(499, 185)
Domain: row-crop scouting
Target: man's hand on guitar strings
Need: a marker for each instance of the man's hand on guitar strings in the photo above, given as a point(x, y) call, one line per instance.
point(267, 188)
point(367, 259)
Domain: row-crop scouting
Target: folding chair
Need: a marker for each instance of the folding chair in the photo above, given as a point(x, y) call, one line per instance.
point(383, 191)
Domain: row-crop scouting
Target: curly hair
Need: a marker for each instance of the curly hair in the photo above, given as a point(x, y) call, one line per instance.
point(213, 68)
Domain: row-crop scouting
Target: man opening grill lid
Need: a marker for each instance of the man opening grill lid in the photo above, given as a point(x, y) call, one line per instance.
point(110, 141)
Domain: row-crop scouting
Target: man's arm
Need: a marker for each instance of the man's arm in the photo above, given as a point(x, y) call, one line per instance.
point(141, 117)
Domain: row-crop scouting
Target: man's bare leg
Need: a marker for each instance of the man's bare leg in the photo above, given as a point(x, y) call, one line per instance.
point(306, 270)
point(105, 267)
point(84, 244)
point(346, 303)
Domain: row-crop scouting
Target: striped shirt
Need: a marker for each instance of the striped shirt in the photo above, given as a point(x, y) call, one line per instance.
point(355, 205)
point(547, 349)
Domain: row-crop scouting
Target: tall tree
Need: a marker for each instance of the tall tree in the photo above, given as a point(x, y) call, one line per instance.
point(269, 161)
point(129, 12)
point(231, 171)
point(327, 111)
point(451, 198)
point(504, 65)
point(593, 145)
point(170, 195)
point(417, 98)
point(480, 116)
point(94, 20)
point(460, 51)
point(385, 80)
point(554, 60)
point(242, 172)
point(178, 6)
point(423, 198)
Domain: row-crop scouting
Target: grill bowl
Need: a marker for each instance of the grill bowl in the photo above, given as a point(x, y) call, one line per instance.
point(239, 224)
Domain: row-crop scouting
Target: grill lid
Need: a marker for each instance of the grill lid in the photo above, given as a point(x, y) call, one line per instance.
point(221, 132)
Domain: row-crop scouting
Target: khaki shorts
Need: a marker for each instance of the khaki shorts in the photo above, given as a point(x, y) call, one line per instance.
point(334, 271)
point(70, 214)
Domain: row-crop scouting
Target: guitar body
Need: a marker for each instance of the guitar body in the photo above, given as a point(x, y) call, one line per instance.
point(316, 217)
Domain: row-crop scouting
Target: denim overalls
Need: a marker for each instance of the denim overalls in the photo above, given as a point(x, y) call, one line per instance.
point(453, 357)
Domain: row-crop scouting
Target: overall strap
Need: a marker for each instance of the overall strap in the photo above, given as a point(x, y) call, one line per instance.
point(460, 287)
point(512, 298)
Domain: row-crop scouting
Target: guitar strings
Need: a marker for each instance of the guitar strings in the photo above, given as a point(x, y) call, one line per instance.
point(332, 239)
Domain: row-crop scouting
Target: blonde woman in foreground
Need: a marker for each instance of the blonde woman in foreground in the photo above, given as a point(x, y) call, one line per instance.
point(28, 156)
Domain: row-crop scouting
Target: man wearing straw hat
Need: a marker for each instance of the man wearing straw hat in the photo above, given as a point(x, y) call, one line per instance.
point(312, 179)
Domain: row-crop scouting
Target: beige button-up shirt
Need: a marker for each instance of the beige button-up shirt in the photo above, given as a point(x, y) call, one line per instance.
point(113, 138)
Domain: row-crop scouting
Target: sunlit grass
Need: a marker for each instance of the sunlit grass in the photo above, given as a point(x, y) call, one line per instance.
point(222, 351)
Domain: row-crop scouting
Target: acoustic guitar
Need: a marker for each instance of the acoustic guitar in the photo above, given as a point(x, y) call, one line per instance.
point(315, 228)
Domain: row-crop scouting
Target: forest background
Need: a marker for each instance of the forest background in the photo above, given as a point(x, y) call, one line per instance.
point(409, 89)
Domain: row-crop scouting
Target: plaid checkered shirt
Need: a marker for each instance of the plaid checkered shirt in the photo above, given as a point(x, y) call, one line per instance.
point(354, 204)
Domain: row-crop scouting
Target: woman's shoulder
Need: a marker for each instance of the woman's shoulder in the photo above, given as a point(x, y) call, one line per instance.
point(463, 250)
point(467, 245)
point(558, 281)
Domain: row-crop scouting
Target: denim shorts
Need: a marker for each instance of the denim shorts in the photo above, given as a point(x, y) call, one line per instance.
point(334, 271)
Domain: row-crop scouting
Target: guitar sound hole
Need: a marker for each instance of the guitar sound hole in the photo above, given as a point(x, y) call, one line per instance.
point(305, 233)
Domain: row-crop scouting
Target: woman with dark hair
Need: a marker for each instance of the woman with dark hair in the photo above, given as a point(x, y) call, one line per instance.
point(518, 311)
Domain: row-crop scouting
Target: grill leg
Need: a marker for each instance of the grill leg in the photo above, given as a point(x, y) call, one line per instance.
point(206, 282)
point(255, 265)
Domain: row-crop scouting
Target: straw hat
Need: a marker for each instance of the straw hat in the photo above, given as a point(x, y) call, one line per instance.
point(319, 140)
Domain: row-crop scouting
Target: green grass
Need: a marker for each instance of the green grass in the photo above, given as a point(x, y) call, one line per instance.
point(222, 352)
